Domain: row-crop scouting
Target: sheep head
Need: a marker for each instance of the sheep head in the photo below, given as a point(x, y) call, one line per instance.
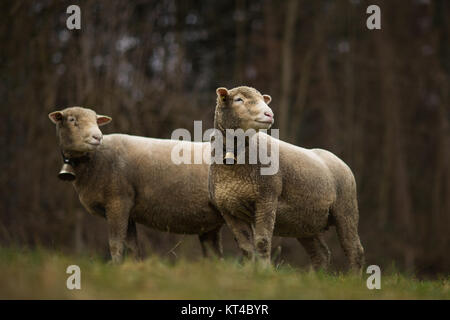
point(243, 107)
point(78, 130)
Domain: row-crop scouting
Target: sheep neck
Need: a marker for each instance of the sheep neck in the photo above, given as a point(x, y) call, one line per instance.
point(236, 148)
point(81, 164)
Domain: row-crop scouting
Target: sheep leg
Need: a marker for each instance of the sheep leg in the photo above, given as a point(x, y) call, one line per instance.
point(263, 232)
point(346, 220)
point(211, 242)
point(117, 214)
point(132, 241)
point(317, 250)
point(243, 234)
point(351, 244)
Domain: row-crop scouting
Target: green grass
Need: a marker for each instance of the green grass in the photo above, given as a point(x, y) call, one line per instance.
point(41, 274)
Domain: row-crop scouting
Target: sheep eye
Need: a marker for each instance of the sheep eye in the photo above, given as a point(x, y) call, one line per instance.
point(71, 119)
point(238, 100)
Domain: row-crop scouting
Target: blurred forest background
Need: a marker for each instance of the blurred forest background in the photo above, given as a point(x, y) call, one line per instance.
point(377, 99)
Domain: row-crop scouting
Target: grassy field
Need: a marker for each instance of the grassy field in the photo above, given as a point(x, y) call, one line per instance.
point(41, 274)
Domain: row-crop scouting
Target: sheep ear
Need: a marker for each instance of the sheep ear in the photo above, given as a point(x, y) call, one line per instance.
point(102, 120)
point(222, 93)
point(267, 98)
point(55, 116)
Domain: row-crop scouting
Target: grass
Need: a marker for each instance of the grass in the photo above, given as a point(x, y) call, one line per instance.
point(41, 274)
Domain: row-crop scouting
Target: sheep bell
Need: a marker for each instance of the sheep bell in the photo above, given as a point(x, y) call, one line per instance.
point(230, 158)
point(66, 173)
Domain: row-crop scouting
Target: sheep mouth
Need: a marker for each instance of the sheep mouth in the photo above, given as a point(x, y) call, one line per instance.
point(94, 143)
point(265, 122)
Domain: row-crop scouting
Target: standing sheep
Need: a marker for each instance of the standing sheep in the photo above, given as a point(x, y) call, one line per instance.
point(129, 179)
point(312, 190)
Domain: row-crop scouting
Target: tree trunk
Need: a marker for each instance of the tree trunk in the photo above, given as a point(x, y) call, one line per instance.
point(287, 66)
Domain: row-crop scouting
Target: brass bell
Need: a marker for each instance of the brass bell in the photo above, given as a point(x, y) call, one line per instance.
point(67, 173)
point(230, 158)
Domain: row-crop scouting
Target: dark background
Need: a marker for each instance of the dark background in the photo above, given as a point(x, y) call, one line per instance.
point(377, 99)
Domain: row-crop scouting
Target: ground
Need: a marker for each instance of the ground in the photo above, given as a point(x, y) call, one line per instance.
point(39, 273)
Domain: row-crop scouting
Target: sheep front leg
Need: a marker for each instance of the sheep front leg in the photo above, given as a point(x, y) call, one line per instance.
point(263, 232)
point(211, 243)
point(243, 234)
point(117, 214)
point(317, 250)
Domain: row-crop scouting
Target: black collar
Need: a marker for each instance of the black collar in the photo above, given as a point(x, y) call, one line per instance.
point(74, 161)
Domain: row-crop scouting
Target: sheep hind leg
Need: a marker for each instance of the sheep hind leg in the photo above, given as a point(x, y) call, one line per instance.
point(318, 251)
point(211, 243)
point(346, 221)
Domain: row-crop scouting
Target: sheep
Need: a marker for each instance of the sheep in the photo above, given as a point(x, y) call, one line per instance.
point(129, 179)
point(312, 190)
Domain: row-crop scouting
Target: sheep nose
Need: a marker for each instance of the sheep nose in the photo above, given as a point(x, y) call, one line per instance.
point(97, 136)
